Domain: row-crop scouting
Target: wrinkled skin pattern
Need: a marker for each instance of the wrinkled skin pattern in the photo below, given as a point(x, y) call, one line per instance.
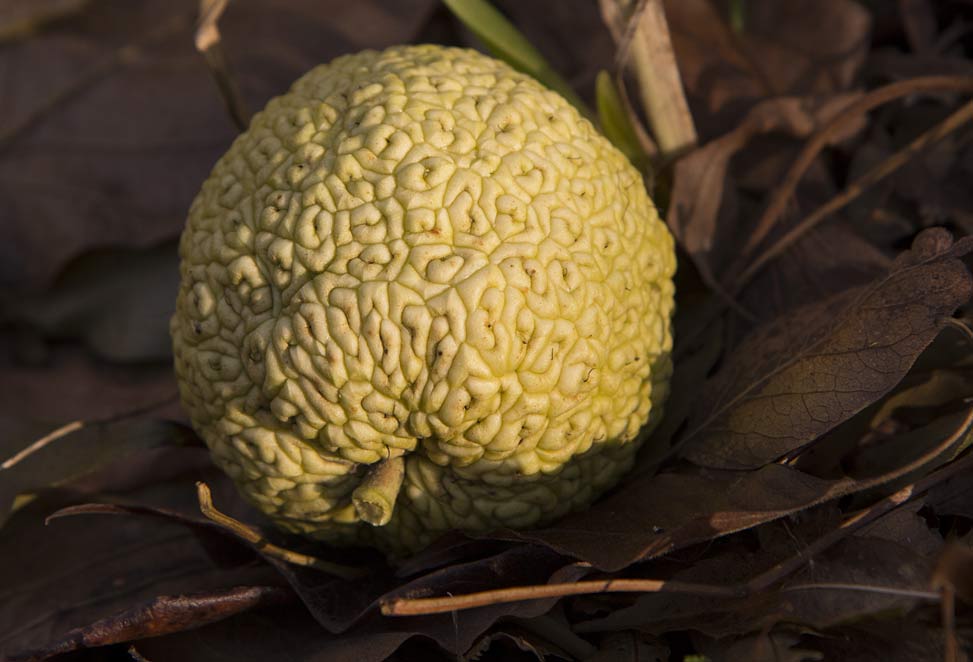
point(423, 253)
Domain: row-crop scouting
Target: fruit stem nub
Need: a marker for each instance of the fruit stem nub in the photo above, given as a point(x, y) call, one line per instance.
point(374, 499)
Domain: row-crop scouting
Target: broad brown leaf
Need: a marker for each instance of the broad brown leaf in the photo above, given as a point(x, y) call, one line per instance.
point(285, 632)
point(654, 515)
point(116, 301)
point(953, 498)
point(115, 121)
point(801, 376)
point(84, 451)
point(830, 259)
point(898, 554)
point(76, 572)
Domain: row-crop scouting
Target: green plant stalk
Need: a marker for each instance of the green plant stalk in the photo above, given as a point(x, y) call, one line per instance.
point(616, 123)
point(738, 16)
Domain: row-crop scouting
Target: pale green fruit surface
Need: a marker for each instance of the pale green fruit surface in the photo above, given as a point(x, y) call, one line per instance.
point(422, 254)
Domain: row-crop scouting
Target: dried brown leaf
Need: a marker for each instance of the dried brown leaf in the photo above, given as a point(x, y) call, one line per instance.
point(117, 301)
point(781, 196)
point(54, 461)
point(907, 527)
point(37, 398)
point(858, 577)
point(456, 632)
point(349, 606)
point(223, 548)
point(780, 52)
point(799, 377)
point(285, 632)
point(336, 602)
point(953, 498)
point(659, 514)
point(655, 515)
point(77, 571)
point(116, 159)
point(828, 260)
point(881, 454)
point(163, 614)
point(449, 549)
point(905, 156)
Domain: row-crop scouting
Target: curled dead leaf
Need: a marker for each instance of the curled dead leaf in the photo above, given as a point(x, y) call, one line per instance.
point(159, 616)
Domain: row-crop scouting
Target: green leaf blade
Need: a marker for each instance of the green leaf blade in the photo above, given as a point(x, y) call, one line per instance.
point(506, 42)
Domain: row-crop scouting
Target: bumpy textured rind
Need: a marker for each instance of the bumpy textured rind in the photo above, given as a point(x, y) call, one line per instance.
point(422, 253)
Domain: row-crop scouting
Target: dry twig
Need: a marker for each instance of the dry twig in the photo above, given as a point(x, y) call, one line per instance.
point(783, 193)
point(856, 188)
point(74, 426)
point(255, 538)
point(209, 43)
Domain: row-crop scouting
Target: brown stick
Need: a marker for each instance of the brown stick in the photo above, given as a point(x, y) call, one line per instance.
point(418, 606)
point(254, 537)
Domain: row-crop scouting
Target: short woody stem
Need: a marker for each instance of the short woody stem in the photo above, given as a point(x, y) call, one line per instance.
point(255, 538)
point(374, 499)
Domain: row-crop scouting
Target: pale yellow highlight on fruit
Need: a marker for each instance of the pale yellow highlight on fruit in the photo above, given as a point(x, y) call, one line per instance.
point(421, 291)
